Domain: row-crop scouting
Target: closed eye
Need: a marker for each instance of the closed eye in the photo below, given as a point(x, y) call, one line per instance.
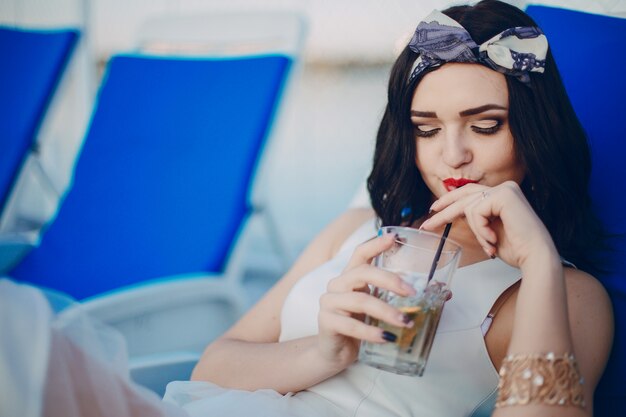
point(487, 127)
point(426, 131)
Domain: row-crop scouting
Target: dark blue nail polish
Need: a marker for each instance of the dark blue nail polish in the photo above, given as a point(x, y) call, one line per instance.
point(388, 336)
point(405, 318)
point(380, 232)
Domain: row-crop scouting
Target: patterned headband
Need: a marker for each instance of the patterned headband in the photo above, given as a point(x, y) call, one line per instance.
point(516, 51)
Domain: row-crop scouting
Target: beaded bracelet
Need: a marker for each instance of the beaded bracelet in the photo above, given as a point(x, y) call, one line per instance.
point(540, 379)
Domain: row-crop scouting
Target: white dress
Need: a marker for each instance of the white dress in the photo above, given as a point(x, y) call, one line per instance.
point(459, 379)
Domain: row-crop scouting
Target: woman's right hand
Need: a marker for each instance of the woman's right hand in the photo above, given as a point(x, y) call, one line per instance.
point(347, 301)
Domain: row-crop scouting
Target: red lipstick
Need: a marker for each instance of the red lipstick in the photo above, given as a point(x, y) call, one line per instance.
point(454, 183)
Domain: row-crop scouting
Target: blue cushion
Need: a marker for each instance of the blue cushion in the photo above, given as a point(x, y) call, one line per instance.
point(32, 64)
point(589, 53)
point(161, 186)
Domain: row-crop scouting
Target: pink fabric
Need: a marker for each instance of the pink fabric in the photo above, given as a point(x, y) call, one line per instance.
point(65, 364)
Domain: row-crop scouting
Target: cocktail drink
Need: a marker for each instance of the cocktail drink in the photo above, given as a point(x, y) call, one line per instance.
point(411, 258)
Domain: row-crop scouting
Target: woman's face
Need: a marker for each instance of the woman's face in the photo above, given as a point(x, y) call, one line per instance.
point(460, 114)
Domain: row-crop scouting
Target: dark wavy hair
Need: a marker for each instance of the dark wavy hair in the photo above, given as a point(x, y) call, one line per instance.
point(548, 139)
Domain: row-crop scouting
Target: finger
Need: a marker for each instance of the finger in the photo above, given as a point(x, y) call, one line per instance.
point(457, 194)
point(359, 303)
point(365, 252)
point(451, 212)
point(480, 224)
point(348, 326)
point(361, 276)
point(483, 213)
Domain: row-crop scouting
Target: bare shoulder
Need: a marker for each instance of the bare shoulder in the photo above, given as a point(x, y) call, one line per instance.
point(327, 243)
point(262, 322)
point(346, 224)
point(586, 294)
point(591, 322)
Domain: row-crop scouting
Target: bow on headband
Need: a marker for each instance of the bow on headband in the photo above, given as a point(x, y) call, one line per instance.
point(516, 51)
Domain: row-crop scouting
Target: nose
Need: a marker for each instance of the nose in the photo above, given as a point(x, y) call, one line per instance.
point(456, 151)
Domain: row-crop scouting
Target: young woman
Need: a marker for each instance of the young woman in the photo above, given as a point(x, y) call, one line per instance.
point(478, 132)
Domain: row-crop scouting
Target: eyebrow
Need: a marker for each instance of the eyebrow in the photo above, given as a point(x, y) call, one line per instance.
point(468, 112)
point(481, 109)
point(423, 113)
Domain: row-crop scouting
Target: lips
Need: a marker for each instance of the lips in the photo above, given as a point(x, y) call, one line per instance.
point(454, 183)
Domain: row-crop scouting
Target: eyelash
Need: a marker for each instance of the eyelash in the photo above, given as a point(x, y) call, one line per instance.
point(425, 134)
point(480, 130)
point(488, 130)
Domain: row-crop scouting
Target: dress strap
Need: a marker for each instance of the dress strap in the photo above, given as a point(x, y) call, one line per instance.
point(486, 324)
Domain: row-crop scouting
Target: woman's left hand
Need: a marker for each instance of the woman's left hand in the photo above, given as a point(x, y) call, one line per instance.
point(501, 218)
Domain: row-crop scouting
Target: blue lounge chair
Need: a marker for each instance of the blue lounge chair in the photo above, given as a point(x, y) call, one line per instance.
point(587, 49)
point(159, 199)
point(161, 185)
point(150, 236)
point(33, 62)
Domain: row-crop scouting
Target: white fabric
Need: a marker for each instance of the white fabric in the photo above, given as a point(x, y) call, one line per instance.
point(24, 343)
point(499, 49)
point(459, 376)
point(56, 361)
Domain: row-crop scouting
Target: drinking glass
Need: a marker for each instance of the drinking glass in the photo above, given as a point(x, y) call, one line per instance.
point(412, 257)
